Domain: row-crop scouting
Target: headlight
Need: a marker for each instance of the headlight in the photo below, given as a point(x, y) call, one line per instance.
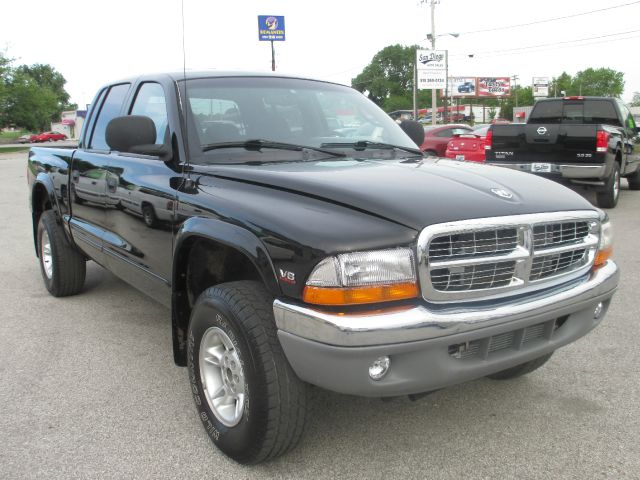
point(605, 246)
point(363, 277)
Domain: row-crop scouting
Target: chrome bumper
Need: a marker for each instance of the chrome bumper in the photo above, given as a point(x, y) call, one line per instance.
point(566, 170)
point(424, 322)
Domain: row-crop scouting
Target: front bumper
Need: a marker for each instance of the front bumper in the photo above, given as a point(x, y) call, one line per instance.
point(568, 171)
point(334, 350)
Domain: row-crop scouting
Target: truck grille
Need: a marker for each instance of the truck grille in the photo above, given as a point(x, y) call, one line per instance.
point(482, 258)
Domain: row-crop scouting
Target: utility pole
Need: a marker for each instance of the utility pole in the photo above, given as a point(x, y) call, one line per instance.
point(515, 87)
point(434, 101)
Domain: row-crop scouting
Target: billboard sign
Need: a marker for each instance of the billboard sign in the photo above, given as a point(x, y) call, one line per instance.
point(462, 86)
point(493, 87)
point(540, 87)
point(271, 28)
point(431, 68)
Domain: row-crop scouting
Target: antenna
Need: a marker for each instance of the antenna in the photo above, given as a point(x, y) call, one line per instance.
point(183, 102)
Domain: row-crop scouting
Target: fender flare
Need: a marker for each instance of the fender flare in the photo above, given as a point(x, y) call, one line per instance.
point(224, 233)
point(44, 180)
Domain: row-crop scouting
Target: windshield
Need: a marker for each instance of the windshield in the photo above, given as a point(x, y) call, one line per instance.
point(294, 111)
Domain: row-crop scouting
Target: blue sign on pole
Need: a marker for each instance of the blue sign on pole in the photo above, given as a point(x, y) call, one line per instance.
point(271, 28)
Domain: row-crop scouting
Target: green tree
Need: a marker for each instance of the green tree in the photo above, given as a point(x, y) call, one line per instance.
point(28, 104)
point(5, 63)
point(635, 100)
point(390, 73)
point(560, 84)
point(598, 82)
point(525, 97)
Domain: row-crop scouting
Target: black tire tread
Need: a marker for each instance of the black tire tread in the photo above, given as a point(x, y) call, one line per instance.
point(634, 180)
point(287, 397)
point(522, 369)
point(69, 265)
point(606, 199)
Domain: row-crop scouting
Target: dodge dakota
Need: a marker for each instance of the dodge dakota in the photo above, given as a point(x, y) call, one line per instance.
point(291, 253)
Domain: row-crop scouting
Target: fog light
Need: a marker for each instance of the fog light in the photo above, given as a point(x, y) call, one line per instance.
point(596, 313)
point(379, 367)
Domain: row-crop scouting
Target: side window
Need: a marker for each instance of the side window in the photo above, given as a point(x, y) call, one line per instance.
point(110, 109)
point(151, 102)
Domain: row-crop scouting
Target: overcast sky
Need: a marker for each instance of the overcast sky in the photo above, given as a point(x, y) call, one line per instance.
point(93, 42)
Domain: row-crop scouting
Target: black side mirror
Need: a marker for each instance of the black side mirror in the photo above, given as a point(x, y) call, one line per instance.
point(414, 130)
point(135, 134)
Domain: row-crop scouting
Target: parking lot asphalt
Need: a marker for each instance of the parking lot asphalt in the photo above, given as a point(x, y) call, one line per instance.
point(88, 389)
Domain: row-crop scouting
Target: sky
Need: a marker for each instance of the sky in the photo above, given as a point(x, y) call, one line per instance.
point(93, 42)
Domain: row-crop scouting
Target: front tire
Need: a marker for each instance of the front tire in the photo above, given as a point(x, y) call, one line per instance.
point(608, 198)
point(63, 268)
point(521, 369)
point(251, 403)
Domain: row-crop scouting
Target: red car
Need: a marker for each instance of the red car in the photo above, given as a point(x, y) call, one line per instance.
point(50, 137)
point(436, 138)
point(468, 146)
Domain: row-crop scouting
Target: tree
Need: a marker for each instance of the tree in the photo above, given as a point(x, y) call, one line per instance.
point(390, 73)
point(525, 97)
point(31, 96)
point(560, 84)
point(598, 82)
point(635, 100)
point(29, 105)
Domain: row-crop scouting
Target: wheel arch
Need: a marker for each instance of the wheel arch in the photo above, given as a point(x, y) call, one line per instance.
point(201, 242)
point(43, 197)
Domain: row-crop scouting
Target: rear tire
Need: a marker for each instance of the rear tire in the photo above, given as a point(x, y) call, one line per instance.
point(521, 369)
point(251, 403)
point(149, 216)
point(634, 180)
point(63, 268)
point(608, 198)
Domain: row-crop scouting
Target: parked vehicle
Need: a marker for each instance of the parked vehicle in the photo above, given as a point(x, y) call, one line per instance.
point(436, 138)
point(586, 141)
point(468, 146)
point(28, 138)
point(466, 87)
point(49, 137)
point(299, 256)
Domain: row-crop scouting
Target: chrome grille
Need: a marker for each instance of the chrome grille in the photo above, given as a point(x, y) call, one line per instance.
point(463, 245)
point(473, 277)
point(483, 258)
point(559, 233)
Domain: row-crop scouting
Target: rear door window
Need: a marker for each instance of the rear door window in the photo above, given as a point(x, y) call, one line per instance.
point(546, 112)
point(111, 108)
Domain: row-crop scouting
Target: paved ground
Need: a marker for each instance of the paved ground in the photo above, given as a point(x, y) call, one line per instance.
point(88, 390)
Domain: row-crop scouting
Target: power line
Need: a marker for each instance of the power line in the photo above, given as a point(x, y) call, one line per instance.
point(549, 19)
point(552, 44)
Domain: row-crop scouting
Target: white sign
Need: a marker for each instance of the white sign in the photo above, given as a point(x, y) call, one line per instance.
point(431, 67)
point(431, 80)
point(540, 86)
point(431, 59)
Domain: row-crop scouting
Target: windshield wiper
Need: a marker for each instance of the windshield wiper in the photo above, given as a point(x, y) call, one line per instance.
point(364, 144)
point(257, 145)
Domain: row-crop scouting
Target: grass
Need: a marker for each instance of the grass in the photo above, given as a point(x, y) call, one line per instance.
point(11, 137)
point(13, 149)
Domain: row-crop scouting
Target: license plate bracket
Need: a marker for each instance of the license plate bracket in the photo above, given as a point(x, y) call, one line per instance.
point(541, 167)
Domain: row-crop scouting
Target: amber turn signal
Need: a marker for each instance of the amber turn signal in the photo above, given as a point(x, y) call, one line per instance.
point(602, 256)
point(359, 295)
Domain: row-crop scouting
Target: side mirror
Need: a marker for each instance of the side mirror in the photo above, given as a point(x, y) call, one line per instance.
point(414, 130)
point(135, 134)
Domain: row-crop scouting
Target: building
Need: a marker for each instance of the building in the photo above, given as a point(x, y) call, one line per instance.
point(71, 122)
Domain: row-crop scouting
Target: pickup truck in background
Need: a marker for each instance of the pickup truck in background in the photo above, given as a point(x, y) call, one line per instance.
point(291, 251)
point(580, 140)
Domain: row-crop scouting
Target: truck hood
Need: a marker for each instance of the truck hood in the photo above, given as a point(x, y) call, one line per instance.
point(414, 193)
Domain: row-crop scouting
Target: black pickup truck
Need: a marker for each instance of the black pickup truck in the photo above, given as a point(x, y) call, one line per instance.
point(581, 140)
point(292, 253)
